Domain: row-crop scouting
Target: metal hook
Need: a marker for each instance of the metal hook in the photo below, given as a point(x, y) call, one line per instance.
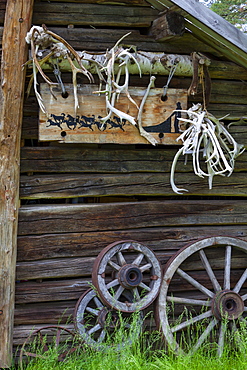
point(57, 74)
point(171, 73)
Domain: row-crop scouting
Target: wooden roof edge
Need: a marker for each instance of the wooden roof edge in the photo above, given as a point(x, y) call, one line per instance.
point(218, 26)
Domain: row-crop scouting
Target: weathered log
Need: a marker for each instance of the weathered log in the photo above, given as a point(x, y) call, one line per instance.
point(103, 39)
point(148, 184)
point(167, 26)
point(229, 111)
point(17, 23)
point(68, 159)
point(54, 268)
point(160, 63)
point(95, 15)
point(82, 267)
point(48, 291)
point(2, 11)
point(113, 2)
point(165, 239)
point(53, 313)
point(36, 220)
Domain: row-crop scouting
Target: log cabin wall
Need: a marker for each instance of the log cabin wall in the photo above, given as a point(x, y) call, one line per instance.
point(77, 198)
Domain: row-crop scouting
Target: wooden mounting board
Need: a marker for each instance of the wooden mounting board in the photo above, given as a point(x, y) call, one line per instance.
point(62, 124)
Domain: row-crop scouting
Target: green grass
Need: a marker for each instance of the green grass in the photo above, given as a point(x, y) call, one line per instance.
point(143, 352)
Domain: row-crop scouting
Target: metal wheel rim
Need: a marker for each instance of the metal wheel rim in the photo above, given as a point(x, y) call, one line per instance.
point(129, 300)
point(91, 303)
point(161, 314)
point(38, 332)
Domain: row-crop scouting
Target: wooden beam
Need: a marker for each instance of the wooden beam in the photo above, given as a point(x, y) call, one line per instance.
point(166, 240)
point(81, 218)
point(64, 158)
point(135, 184)
point(95, 15)
point(14, 55)
point(107, 2)
point(167, 26)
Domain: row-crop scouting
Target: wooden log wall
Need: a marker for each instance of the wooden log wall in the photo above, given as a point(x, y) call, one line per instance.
point(77, 199)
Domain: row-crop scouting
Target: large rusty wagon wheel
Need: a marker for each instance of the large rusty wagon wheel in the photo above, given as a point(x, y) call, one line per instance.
point(42, 341)
point(127, 276)
point(203, 295)
point(97, 324)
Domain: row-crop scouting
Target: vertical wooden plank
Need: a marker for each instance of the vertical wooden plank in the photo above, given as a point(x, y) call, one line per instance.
point(18, 18)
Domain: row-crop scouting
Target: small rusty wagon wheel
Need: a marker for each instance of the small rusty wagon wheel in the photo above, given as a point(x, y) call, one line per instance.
point(40, 341)
point(127, 276)
point(95, 323)
point(203, 295)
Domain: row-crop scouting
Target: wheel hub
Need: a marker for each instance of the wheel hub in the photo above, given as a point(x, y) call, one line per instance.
point(129, 276)
point(227, 304)
point(108, 318)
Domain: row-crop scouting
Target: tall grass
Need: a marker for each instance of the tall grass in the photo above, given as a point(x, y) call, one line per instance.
point(143, 352)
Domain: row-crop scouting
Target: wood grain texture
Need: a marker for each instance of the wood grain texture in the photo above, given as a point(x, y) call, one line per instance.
point(35, 220)
point(82, 268)
point(166, 240)
point(142, 184)
point(167, 26)
point(95, 15)
point(18, 21)
point(46, 313)
point(55, 268)
point(107, 2)
point(84, 125)
point(49, 291)
point(63, 159)
point(101, 39)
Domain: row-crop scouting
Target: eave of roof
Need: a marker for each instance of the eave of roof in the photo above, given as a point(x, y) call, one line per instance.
point(210, 27)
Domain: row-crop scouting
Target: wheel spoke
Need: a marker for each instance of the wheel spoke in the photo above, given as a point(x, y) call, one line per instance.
point(240, 283)
point(58, 337)
point(195, 283)
point(121, 259)
point(193, 302)
point(94, 329)
point(138, 259)
point(204, 335)
point(144, 286)
point(191, 321)
point(101, 336)
point(244, 297)
point(92, 311)
point(236, 334)
point(114, 265)
point(136, 294)
point(209, 270)
point(112, 283)
point(97, 302)
point(227, 267)
point(118, 292)
point(221, 340)
point(145, 267)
